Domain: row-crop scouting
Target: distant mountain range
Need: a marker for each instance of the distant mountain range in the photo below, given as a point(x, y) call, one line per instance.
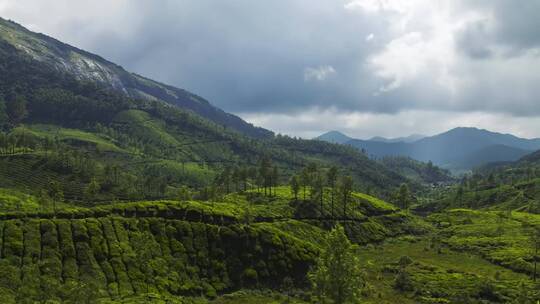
point(407, 139)
point(457, 149)
point(335, 137)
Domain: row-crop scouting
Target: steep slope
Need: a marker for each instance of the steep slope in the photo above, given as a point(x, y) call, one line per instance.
point(85, 66)
point(77, 131)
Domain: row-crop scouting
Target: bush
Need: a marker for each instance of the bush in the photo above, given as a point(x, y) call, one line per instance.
point(487, 291)
point(250, 276)
point(405, 261)
point(403, 281)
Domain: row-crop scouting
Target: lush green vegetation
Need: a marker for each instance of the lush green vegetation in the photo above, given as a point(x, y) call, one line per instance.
point(115, 256)
point(110, 199)
point(416, 170)
point(169, 248)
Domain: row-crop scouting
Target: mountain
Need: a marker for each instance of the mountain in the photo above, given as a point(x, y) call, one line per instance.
point(425, 173)
point(335, 137)
point(407, 139)
point(85, 66)
point(83, 119)
point(459, 148)
point(108, 197)
point(490, 154)
point(531, 158)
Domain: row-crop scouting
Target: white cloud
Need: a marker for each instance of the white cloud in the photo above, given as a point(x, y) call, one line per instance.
point(376, 6)
point(370, 37)
point(315, 121)
point(380, 56)
point(320, 73)
point(422, 44)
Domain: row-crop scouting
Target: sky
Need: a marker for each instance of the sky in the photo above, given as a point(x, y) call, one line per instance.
point(302, 67)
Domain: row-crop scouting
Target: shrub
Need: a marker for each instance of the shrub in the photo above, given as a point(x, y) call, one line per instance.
point(403, 281)
point(405, 261)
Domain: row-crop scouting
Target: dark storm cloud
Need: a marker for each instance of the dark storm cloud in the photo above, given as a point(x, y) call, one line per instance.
point(473, 41)
point(250, 55)
point(516, 23)
point(288, 56)
point(513, 25)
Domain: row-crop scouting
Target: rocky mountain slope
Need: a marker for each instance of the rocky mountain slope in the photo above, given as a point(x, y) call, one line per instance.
point(85, 66)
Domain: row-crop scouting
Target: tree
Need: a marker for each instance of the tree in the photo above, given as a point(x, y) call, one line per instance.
point(331, 177)
point(404, 196)
point(305, 180)
point(275, 179)
point(235, 177)
point(312, 171)
point(337, 274)
point(317, 192)
point(459, 195)
point(295, 186)
point(44, 200)
point(16, 109)
point(533, 234)
point(92, 190)
point(56, 193)
point(224, 179)
point(265, 173)
point(244, 175)
point(184, 193)
point(252, 174)
point(345, 190)
point(3, 114)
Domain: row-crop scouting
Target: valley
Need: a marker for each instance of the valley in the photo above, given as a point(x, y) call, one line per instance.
point(115, 188)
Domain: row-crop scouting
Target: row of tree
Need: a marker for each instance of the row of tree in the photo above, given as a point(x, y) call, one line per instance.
point(315, 181)
point(265, 177)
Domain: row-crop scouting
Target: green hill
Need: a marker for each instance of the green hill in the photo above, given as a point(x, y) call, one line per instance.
point(87, 67)
point(118, 189)
point(416, 170)
point(172, 248)
point(72, 130)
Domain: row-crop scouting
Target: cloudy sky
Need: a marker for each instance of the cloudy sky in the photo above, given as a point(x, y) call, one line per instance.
point(302, 67)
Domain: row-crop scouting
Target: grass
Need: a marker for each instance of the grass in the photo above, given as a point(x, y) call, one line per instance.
point(12, 200)
point(475, 250)
point(101, 142)
point(239, 297)
point(251, 297)
point(497, 236)
point(445, 275)
point(147, 127)
point(27, 173)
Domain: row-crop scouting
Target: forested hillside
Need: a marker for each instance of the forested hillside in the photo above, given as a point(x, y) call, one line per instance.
point(86, 67)
point(117, 189)
point(64, 129)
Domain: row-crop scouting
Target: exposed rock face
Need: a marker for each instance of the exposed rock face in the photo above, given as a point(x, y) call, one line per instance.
point(89, 67)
